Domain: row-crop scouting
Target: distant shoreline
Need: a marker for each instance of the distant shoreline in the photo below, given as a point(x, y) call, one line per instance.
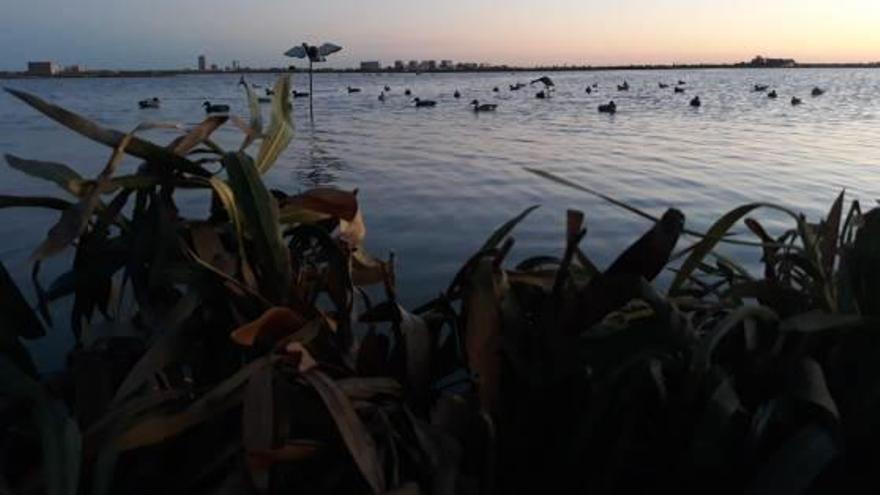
point(491, 69)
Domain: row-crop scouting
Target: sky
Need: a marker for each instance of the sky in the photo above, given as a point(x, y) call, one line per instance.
point(125, 34)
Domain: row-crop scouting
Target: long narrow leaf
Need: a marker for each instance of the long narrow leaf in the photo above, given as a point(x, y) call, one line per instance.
point(260, 214)
point(280, 130)
point(138, 147)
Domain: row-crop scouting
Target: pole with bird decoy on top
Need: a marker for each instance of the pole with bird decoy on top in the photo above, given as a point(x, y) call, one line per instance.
point(315, 54)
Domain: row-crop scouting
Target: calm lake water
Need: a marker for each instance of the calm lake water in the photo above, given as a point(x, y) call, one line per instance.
point(434, 182)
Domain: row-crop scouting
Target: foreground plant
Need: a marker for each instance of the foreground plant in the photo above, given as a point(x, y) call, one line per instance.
point(261, 349)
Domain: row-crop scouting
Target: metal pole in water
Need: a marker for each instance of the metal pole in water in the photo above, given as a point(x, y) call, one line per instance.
point(311, 94)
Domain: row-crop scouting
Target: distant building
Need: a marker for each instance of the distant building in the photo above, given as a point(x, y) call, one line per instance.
point(413, 65)
point(235, 65)
point(429, 65)
point(446, 64)
point(43, 68)
point(371, 66)
point(214, 67)
point(75, 69)
point(398, 65)
point(203, 64)
point(760, 61)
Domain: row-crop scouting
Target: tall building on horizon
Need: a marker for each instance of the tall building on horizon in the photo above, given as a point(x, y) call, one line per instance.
point(203, 64)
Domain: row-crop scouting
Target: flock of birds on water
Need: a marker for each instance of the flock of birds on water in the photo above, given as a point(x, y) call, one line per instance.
point(546, 92)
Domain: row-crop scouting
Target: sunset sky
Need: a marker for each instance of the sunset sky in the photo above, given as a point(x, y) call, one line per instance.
point(171, 33)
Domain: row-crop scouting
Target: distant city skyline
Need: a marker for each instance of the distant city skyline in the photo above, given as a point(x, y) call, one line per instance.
point(113, 34)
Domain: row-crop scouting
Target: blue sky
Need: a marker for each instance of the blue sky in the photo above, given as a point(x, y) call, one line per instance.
point(166, 33)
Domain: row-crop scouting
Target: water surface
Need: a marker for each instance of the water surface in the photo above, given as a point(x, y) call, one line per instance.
point(434, 182)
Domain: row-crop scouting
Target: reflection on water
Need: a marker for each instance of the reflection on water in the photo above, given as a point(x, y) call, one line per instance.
point(435, 181)
point(317, 166)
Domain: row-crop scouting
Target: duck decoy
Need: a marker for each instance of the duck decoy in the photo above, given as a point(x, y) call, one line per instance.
point(795, 100)
point(662, 85)
point(695, 101)
point(681, 83)
point(609, 107)
point(407, 92)
point(589, 90)
point(149, 103)
point(817, 91)
point(516, 87)
point(678, 90)
point(760, 87)
point(382, 96)
point(387, 88)
point(772, 94)
point(541, 95)
point(264, 99)
point(546, 81)
point(495, 89)
point(485, 107)
point(353, 90)
point(623, 87)
point(300, 94)
point(457, 94)
point(424, 103)
point(595, 85)
point(209, 108)
point(270, 91)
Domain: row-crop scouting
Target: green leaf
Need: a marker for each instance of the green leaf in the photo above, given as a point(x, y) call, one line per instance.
point(259, 212)
point(17, 318)
point(164, 350)
point(7, 201)
point(504, 230)
point(714, 236)
point(138, 147)
point(62, 175)
point(255, 126)
point(74, 220)
point(59, 433)
point(198, 134)
point(830, 235)
point(280, 130)
point(793, 468)
point(353, 431)
point(158, 427)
